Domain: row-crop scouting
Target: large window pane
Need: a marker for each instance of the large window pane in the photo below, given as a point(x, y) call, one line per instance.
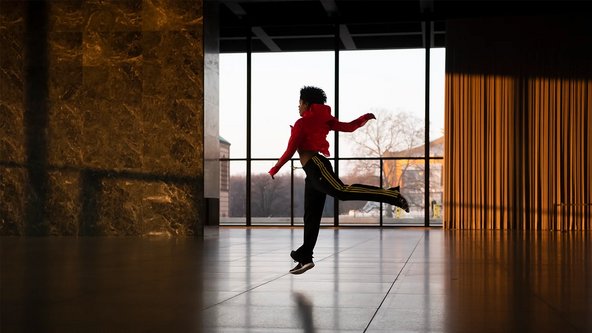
point(276, 82)
point(410, 175)
point(233, 115)
point(270, 198)
point(437, 81)
point(437, 86)
point(233, 102)
point(436, 192)
point(233, 197)
point(390, 84)
point(364, 213)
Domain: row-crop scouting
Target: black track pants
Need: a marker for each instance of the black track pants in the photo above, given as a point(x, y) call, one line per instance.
point(320, 181)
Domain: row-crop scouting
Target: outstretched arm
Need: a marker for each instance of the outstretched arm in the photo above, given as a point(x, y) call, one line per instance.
point(336, 125)
point(293, 143)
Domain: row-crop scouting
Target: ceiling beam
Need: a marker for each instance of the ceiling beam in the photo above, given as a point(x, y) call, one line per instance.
point(330, 7)
point(432, 35)
point(264, 37)
point(346, 37)
point(423, 34)
point(378, 34)
point(427, 7)
point(236, 9)
point(240, 12)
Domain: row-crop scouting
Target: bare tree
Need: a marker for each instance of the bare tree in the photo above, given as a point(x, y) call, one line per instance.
point(391, 135)
point(237, 199)
point(269, 197)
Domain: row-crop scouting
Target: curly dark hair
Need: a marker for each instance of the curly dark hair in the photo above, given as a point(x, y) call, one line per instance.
point(313, 95)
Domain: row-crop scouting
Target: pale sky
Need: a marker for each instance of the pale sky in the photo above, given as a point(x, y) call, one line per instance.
point(390, 80)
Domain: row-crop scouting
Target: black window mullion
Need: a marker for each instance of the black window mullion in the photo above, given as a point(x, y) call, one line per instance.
point(427, 32)
point(248, 176)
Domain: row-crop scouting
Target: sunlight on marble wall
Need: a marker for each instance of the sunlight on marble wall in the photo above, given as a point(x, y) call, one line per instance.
point(125, 118)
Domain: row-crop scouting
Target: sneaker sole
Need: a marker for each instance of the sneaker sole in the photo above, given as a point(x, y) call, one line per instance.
point(303, 269)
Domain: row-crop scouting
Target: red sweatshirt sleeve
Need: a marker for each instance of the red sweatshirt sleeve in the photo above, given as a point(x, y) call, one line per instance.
point(293, 144)
point(336, 125)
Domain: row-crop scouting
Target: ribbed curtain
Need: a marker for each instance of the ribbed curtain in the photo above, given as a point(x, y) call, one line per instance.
point(518, 120)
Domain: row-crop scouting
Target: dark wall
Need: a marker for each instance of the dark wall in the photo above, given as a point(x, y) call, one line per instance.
point(548, 46)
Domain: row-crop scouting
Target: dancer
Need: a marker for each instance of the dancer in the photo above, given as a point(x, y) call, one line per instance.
point(309, 138)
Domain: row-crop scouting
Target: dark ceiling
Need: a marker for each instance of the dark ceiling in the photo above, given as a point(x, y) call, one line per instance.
point(311, 25)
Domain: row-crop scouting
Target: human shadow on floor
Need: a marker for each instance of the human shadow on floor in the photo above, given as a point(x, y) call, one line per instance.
point(304, 311)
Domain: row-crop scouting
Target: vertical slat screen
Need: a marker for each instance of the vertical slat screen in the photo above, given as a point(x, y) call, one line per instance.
point(518, 124)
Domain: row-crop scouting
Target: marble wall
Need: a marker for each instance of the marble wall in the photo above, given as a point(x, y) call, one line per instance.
point(121, 124)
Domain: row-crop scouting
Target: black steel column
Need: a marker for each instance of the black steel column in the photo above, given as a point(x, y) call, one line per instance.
point(292, 192)
point(336, 110)
point(248, 177)
point(380, 211)
point(427, 32)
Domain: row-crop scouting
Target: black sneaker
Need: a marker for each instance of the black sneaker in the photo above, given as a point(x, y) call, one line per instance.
point(301, 268)
point(402, 203)
point(295, 256)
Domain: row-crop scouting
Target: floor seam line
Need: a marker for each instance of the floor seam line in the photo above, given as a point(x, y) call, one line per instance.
point(393, 283)
point(279, 277)
point(245, 291)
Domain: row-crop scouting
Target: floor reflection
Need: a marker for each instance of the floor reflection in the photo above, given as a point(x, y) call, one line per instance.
point(100, 284)
point(305, 312)
point(518, 281)
point(364, 280)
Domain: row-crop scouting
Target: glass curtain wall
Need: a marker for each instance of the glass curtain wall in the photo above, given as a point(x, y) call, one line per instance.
point(276, 81)
point(389, 84)
point(233, 131)
point(437, 92)
point(388, 151)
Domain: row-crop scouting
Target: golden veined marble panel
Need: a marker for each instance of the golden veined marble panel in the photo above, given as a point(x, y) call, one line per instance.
point(125, 101)
point(63, 203)
point(13, 183)
point(120, 15)
point(66, 15)
point(113, 135)
point(173, 136)
point(65, 136)
point(12, 78)
point(141, 208)
point(171, 15)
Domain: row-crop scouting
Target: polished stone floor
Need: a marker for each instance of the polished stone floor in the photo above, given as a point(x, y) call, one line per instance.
point(237, 280)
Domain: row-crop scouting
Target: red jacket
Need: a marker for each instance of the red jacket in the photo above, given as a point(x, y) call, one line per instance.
point(310, 132)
